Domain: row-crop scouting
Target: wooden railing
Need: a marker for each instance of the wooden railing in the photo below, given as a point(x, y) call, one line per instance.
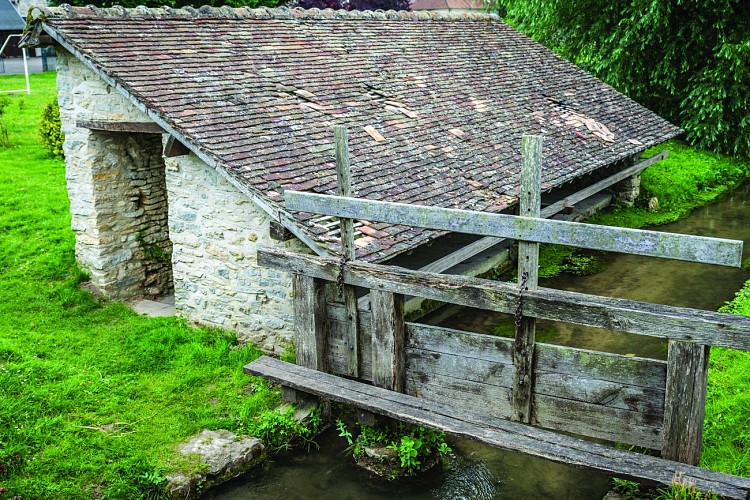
point(644, 402)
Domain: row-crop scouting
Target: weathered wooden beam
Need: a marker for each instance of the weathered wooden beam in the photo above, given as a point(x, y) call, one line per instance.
point(499, 432)
point(655, 320)
point(462, 254)
point(279, 233)
point(309, 321)
point(388, 340)
point(349, 293)
point(121, 126)
point(600, 395)
point(530, 200)
point(612, 239)
point(685, 402)
point(174, 148)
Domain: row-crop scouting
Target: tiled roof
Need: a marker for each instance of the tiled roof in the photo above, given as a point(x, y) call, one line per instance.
point(435, 103)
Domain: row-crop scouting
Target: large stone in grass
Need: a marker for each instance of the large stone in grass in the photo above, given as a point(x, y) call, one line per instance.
point(225, 455)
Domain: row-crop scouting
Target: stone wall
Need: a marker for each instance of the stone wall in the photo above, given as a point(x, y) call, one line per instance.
point(131, 207)
point(116, 186)
point(216, 231)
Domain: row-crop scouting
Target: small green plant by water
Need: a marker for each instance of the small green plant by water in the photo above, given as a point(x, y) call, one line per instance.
point(411, 443)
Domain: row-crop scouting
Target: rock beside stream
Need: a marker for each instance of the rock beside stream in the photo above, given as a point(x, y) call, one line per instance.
point(225, 456)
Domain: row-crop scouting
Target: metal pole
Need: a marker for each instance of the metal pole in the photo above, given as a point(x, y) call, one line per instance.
point(26, 71)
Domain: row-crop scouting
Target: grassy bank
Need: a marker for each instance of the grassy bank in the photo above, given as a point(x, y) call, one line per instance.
point(687, 179)
point(726, 439)
point(93, 398)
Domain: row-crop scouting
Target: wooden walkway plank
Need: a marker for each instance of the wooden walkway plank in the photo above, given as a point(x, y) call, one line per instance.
point(655, 320)
point(611, 239)
point(498, 432)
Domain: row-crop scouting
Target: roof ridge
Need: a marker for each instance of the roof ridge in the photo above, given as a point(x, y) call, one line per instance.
point(68, 11)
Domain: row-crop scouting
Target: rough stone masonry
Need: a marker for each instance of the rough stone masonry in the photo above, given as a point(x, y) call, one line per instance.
point(147, 225)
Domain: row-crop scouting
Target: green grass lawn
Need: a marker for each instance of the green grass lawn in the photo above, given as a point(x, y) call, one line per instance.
point(93, 398)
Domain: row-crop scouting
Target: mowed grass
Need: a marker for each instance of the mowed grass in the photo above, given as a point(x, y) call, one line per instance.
point(93, 398)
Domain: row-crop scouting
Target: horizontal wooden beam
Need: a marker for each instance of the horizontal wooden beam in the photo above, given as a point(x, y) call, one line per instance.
point(498, 432)
point(655, 320)
point(587, 393)
point(121, 126)
point(465, 253)
point(611, 239)
point(603, 184)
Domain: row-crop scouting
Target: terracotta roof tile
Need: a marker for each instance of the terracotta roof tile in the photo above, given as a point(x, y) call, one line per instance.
point(258, 90)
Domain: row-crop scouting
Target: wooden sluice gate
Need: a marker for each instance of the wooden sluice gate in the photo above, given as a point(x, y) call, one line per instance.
point(514, 394)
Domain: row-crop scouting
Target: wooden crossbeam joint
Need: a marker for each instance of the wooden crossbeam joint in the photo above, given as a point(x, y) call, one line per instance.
point(174, 148)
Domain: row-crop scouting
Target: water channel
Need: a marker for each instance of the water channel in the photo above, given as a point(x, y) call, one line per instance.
point(479, 472)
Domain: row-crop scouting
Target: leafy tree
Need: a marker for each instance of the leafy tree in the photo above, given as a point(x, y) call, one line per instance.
point(687, 60)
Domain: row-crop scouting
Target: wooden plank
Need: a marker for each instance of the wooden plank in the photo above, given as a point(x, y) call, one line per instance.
point(597, 421)
point(476, 372)
point(174, 148)
point(530, 200)
point(655, 320)
point(387, 340)
point(121, 126)
point(453, 259)
point(339, 354)
point(601, 185)
point(348, 292)
point(499, 432)
point(578, 392)
point(309, 321)
point(611, 239)
point(687, 376)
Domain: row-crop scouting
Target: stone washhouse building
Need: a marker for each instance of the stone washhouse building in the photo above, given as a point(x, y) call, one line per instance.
point(183, 128)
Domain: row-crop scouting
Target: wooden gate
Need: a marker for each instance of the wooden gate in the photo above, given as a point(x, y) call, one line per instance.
point(482, 378)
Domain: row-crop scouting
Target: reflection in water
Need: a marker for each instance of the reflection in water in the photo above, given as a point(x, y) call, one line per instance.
point(474, 472)
point(481, 472)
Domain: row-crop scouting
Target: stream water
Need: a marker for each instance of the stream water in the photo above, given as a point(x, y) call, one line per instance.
point(480, 472)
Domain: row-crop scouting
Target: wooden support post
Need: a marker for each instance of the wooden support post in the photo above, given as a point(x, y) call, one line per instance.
point(685, 401)
point(388, 340)
point(530, 199)
point(309, 321)
point(343, 175)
